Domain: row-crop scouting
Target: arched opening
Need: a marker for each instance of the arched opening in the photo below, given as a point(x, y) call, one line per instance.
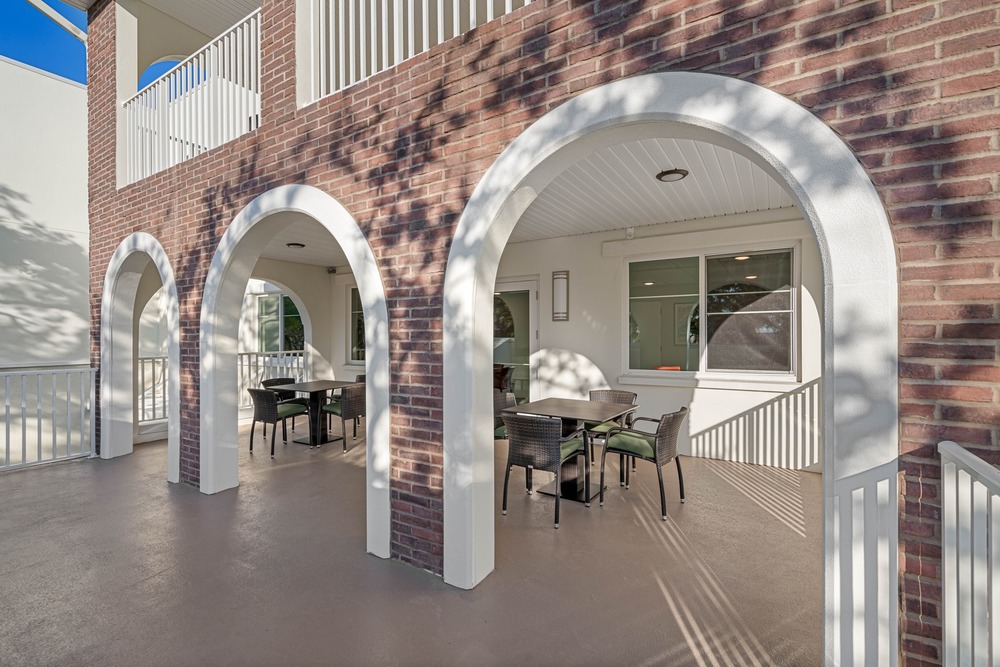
point(258, 226)
point(859, 338)
point(128, 277)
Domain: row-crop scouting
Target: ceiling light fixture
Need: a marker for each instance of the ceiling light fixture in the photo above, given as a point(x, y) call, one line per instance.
point(296, 245)
point(648, 284)
point(741, 258)
point(671, 175)
point(751, 277)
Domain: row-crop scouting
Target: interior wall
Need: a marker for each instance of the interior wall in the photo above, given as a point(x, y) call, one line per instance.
point(774, 423)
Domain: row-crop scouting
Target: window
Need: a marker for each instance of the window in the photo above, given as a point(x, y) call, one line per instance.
point(357, 324)
point(279, 325)
point(748, 300)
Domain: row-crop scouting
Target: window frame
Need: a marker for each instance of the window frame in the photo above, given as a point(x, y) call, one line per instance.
point(644, 376)
point(349, 359)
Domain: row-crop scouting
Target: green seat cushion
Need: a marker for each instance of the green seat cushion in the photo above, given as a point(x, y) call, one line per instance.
point(291, 409)
point(566, 449)
point(335, 408)
point(500, 432)
point(631, 443)
point(298, 400)
point(601, 428)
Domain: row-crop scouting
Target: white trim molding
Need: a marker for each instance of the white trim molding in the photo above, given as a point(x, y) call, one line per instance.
point(860, 366)
point(118, 303)
point(231, 267)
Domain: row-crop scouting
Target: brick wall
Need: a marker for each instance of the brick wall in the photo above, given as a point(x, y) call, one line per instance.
point(911, 86)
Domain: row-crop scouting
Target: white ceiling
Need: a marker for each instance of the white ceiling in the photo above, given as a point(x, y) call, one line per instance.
point(210, 18)
point(613, 188)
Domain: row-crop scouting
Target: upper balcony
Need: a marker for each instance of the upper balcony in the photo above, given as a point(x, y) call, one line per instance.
point(214, 94)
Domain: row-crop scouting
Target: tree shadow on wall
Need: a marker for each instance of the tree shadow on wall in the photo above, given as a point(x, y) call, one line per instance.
point(44, 298)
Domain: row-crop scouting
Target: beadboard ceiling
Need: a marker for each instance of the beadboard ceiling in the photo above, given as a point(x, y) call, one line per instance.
point(613, 188)
point(210, 18)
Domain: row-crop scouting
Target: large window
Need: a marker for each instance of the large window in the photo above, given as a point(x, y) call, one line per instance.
point(279, 325)
point(749, 302)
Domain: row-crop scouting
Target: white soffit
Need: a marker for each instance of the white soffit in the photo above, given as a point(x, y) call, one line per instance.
point(321, 249)
point(615, 187)
point(210, 17)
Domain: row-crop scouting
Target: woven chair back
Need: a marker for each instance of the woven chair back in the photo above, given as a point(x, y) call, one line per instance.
point(352, 401)
point(618, 396)
point(265, 405)
point(666, 435)
point(501, 400)
point(533, 441)
point(283, 394)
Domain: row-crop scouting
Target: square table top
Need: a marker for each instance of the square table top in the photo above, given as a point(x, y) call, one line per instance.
point(573, 408)
point(315, 385)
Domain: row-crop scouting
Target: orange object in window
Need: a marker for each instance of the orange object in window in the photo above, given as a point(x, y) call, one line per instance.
point(668, 368)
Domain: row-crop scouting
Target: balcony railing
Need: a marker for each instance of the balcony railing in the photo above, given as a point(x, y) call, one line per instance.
point(48, 416)
point(253, 368)
point(351, 40)
point(207, 100)
point(971, 553)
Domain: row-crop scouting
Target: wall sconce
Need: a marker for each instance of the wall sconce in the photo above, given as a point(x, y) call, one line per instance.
point(560, 296)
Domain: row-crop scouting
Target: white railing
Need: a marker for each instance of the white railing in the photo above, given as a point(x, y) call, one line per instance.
point(152, 397)
point(47, 416)
point(207, 100)
point(351, 40)
point(971, 554)
point(255, 367)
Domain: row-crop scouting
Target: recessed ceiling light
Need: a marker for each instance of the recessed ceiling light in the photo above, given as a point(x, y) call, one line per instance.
point(647, 284)
point(294, 244)
point(671, 175)
point(496, 293)
point(751, 277)
point(741, 258)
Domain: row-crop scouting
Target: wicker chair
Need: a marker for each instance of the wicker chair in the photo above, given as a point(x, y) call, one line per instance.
point(659, 448)
point(536, 444)
point(350, 406)
point(501, 400)
point(269, 410)
point(334, 397)
point(598, 431)
point(284, 395)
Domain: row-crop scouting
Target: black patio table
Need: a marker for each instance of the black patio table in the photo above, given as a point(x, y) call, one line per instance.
point(575, 486)
point(318, 433)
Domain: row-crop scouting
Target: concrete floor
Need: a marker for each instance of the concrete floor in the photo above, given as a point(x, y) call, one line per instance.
point(103, 562)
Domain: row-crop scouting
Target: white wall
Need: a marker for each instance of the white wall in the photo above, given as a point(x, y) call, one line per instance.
point(44, 279)
point(773, 422)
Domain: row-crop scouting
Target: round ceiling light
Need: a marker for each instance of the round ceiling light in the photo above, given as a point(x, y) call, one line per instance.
point(671, 175)
point(741, 258)
point(295, 245)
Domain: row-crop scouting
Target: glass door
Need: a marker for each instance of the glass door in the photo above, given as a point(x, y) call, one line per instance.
point(515, 336)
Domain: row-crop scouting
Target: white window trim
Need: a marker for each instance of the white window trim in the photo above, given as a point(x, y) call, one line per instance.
point(709, 379)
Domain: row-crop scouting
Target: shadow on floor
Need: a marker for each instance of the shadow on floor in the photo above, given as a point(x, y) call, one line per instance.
point(103, 562)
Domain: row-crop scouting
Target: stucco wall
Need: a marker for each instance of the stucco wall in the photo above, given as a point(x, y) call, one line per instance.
point(43, 219)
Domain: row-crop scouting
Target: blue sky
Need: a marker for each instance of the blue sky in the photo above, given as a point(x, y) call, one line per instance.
point(30, 37)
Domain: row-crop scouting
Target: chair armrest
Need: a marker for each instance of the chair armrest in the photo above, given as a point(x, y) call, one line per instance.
point(575, 434)
point(621, 429)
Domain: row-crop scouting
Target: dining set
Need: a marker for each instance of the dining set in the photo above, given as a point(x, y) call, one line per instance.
point(558, 435)
point(278, 399)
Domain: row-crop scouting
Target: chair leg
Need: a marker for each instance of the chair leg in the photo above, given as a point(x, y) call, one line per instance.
point(558, 493)
point(628, 474)
point(355, 435)
point(586, 472)
point(274, 430)
point(293, 424)
point(604, 457)
point(343, 431)
point(506, 478)
point(680, 477)
point(253, 425)
point(663, 497)
point(621, 470)
point(284, 431)
point(527, 479)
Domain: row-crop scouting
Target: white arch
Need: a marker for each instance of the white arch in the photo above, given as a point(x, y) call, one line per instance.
point(860, 314)
point(121, 282)
point(227, 278)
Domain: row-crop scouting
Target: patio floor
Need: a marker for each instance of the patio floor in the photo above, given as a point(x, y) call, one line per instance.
point(103, 562)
